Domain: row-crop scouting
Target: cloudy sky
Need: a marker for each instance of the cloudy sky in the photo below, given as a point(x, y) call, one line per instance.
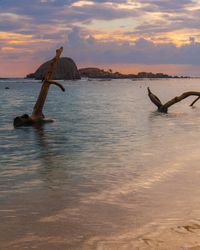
point(124, 35)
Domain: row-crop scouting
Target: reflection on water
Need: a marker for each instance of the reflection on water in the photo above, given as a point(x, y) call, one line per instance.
point(109, 173)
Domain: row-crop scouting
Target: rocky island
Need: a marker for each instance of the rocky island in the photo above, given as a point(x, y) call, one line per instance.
point(65, 69)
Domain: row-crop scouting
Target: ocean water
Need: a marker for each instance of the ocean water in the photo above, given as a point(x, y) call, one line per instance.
point(109, 173)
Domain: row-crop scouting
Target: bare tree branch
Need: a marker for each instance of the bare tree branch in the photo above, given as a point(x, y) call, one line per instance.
point(154, 99)
point(57, 84)
point(37, 110)
point(37, 116)
point(195, 101)
point(164, 107)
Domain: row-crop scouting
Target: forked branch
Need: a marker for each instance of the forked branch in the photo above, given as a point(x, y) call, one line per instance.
point(37, 110)
point(164, 107)
point(37, 116)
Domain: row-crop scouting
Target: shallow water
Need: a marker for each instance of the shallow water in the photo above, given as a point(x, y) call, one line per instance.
point(109, 173)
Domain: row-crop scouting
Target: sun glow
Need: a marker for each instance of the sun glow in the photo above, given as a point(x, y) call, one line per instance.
point(179, 38)
point(82, 3)
point(14, 36)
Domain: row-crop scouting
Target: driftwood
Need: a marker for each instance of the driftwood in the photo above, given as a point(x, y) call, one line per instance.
point(164, 107)
point(37, 116)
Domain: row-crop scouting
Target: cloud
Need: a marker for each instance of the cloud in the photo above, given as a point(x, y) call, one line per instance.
point(167, 6)
point(150, 16)
point(86, 49)
point(102, 12)
point(45, 16)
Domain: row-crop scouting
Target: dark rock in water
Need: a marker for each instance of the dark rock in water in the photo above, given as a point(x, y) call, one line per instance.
point(24, 120)
point(7, 88)
point(65, 69)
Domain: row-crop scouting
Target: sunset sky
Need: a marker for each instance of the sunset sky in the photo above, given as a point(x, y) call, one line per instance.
point(125, 35)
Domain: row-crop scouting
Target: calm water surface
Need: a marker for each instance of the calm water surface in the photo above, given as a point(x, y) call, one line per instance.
point(109, 173)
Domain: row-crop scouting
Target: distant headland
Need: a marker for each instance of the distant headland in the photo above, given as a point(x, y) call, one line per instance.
point(100, 73)
point(66, 69)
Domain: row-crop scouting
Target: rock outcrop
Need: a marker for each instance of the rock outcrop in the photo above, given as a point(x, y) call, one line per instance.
point(65, 69)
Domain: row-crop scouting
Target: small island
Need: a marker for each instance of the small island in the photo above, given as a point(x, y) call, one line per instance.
point(109, 74)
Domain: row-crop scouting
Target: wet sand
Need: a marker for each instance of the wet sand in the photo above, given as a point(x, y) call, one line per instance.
point(163, 217)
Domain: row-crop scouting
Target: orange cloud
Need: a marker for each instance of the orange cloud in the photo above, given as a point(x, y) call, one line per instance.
point(13, 36)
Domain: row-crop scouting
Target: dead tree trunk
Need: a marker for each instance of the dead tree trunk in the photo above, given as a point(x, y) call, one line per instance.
point(164, 107)
point(37, 111)
point(37, 116)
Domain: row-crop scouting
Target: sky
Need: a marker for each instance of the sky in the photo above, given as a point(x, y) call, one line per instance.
point(128, 36)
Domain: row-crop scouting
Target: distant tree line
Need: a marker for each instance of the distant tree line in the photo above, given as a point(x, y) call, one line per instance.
point(100, 73)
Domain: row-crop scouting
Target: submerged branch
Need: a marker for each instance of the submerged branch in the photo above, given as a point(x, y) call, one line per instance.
point(164, 107)
point(37, 110)
point(195, 101)
point(37, 116)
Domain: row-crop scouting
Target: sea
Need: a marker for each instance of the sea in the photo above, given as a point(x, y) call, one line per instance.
point(110, 173)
